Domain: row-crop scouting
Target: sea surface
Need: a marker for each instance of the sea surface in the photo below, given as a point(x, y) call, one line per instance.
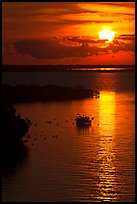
point(65, 163)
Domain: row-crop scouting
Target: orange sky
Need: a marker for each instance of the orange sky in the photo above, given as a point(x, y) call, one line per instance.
point(67, 33)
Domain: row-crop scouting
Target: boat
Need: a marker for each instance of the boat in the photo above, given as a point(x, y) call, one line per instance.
point(83, 120)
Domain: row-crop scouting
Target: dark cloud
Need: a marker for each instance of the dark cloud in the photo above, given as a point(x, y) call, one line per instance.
point(22, 20)
point(27, 12)
point(29, 9)
point(50, 48)
point(74, 22)
point(119, 4)
point(117, 46)
point(55, 49)
point(126, 37)
point(121, 13)
point(82, 40)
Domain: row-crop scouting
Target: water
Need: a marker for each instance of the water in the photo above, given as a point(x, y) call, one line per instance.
point(117, 81)
point(67, 163)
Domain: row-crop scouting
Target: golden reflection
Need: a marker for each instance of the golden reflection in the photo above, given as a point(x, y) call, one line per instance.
point(106, 152)
point(83, 131)
point(107, 113)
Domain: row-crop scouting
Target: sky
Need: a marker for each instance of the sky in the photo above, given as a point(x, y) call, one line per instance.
point(67, 32)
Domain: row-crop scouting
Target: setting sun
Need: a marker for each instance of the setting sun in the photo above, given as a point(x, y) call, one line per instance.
point(106, 34)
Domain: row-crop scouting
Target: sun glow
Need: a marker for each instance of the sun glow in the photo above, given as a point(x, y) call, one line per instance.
point(106, 34)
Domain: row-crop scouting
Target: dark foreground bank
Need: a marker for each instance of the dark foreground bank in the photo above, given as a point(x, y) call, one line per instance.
point(32, 93)
point(14, 127)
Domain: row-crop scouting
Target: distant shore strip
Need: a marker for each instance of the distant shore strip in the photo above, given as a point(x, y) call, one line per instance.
point(67, 68)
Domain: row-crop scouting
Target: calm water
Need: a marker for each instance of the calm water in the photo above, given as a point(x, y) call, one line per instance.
point(123, 81)
point(67, 163)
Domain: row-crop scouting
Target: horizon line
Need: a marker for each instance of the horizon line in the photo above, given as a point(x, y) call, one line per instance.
point(68, 64)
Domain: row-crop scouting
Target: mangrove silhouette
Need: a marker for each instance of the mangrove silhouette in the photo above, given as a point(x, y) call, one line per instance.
point(13, 129)
point(32, 93)
point(13, 125)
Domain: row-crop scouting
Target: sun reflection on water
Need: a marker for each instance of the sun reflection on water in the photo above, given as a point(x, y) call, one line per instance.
point(106, 152)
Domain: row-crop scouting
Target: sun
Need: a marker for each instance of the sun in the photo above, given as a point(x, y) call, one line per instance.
point(106, 34)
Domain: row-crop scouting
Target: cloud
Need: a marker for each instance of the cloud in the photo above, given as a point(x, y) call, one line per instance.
point(117, 46)
point(76, 22)
point(127, 37)
point(54, 48)
point(50, 48)
point(31, 9)
point(27, 20)
point(83, 40)
point(119, 4)
point(123, 13)
point(22, 20)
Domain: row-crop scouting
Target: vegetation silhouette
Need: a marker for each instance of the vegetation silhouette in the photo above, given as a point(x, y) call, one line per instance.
point(13, 129)
point(83, 120)
point(32, 93)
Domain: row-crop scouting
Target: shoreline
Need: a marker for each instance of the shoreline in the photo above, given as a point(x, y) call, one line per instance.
point(67, 68)
point(34, 93)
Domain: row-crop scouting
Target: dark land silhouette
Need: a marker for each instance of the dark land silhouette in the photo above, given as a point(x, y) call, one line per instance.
point(14, 127)
point(33, 93)
point(65, 68)
point(13, 123)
